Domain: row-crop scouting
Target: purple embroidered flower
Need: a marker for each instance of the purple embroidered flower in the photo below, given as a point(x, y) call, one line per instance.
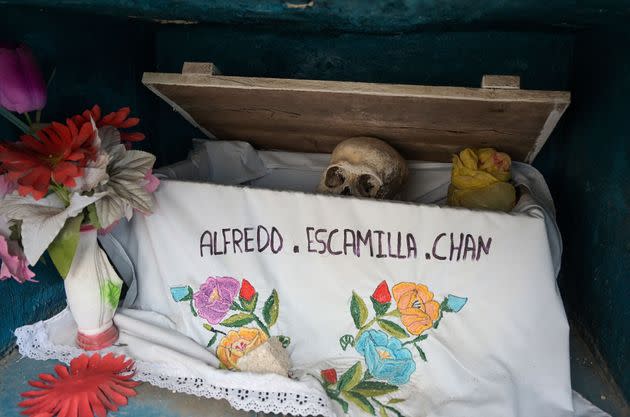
point(214, 298)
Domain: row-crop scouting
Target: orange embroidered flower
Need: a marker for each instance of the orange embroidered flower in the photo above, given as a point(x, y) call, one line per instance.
point(237, 344)
point(417, 308)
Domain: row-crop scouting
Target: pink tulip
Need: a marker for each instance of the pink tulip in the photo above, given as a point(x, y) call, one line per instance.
point(22, 87)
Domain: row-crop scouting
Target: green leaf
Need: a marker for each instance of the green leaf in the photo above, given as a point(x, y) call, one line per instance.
point(383, 412)
point(271, 309)
point(249, 305)
point(358, 310)
point(423, 356)
point(344, 404)
point(237, 320)
point(360, 401)
point(396, 400)
point(379, 308)
point(374, 388)
point(392, 328)
point(350, 378)
point(64, 246)
point(111, 293)
point(208, 327)
point(211, 342)
point(346, 340)
point(92, 216)
point(285, 341)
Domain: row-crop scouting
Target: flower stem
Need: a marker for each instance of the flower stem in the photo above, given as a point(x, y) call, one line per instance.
point(28, 118)
point(13, 119)
point(364, 328)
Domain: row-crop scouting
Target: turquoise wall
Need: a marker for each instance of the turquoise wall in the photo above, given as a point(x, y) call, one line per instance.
point(100, 57)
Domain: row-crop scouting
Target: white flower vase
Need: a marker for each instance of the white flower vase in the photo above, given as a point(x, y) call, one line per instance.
point(92, 291)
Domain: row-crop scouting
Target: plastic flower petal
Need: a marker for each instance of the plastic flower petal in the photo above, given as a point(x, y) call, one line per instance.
point(56, 153)
point(119, 119)
point(93, 385)
point(42, 219)
point(22, 87)
point(13, 265)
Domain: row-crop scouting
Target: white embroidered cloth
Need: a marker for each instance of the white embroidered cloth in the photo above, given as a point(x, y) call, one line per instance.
point(386, 308)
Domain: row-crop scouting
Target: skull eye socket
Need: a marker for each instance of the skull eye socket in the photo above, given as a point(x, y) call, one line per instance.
point(334, 177)
point(367, 185)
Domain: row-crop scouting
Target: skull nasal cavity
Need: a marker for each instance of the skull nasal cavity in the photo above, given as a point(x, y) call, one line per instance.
point(367, 185)
point(334, 177)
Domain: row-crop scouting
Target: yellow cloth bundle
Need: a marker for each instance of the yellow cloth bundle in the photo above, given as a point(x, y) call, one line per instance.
point(480, 180)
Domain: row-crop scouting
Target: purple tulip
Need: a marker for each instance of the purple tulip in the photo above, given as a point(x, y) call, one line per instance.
point(22, 87)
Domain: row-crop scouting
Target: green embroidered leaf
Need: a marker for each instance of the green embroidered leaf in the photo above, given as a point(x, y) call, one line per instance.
point(358, 310)
point(423, 356)
point(367, 375)
point(211, 342)
point(285, 341)
point(92, 216)
point(379, 308)
point(344, 405)
point(346, 340)
point(374, 388)
point(192, 307)
point(111, 293)
point(238, 320)
point(64, 246)
point(392, 328)
point(395, 400)
point(360, 401)
point(393, 410)
point(383, 413)
point(271, 309)
point(350, 378)
point(249, 305)
point(208, 327)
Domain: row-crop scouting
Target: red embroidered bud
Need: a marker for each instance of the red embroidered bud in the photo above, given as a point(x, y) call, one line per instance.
point(381, 293)
point(247, 291)
point(329, 375)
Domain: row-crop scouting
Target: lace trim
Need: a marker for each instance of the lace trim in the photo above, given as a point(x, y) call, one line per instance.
point(33, 342)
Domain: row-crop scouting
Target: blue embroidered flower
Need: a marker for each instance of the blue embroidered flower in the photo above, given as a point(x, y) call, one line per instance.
point(385, 357)
point(455, 303)
point(181, 293)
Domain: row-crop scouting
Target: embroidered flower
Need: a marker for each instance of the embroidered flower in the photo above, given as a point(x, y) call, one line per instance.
point(247, 291)
point(238, 343)
point(214, 298)
point(381, 293)
point(385, 357)
point(417, 308)
point(329, 375)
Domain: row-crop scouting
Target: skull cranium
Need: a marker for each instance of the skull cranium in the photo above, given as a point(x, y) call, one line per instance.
point(364, 167)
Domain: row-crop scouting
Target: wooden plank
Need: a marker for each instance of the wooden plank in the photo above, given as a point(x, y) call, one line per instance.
point(422, 122)
point(200, 68)
point(501, 81)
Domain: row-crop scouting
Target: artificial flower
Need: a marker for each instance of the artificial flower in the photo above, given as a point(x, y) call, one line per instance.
point(381, 293)
point(385, 357)
point(119, 119)
point(329, 375)
point(247, 291)
point(91, 386)
point(42, 219)
point(214, 298)
point(152, 182)
point(22, 87)
point(126, 187)
point(418, 310)
point(14, 264)
point(57, 153)
point(238, 343)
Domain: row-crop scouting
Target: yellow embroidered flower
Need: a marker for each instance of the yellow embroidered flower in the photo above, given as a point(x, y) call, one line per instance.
point(237, 344)
point(417, 308)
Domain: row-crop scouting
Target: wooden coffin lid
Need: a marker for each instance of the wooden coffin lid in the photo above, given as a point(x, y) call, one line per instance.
point(422, 122)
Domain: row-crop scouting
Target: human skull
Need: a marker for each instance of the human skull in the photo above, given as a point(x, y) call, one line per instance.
point(364, 167)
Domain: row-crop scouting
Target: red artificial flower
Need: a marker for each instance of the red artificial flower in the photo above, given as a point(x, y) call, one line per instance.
point(55, 153)
point(91, 386)
point(119, 119)
point(382, 294)
point(329, 375)
point(247, 291)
